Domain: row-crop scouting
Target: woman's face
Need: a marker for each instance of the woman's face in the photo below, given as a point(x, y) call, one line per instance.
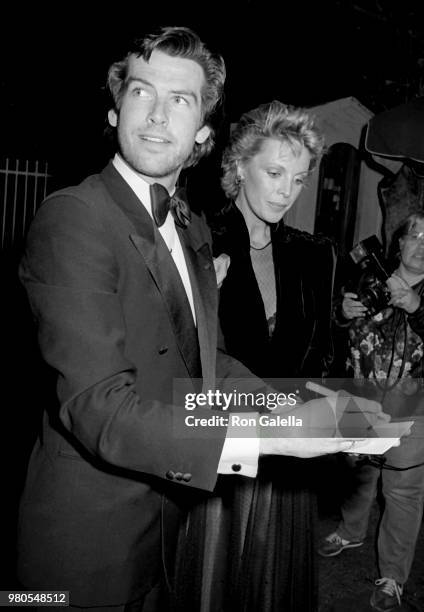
point(412, 249)
point(272, 180)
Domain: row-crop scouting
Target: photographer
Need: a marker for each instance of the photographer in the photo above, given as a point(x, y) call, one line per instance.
point(386, 357)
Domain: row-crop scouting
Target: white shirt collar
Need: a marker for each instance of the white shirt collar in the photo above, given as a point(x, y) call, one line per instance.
point(140, 187)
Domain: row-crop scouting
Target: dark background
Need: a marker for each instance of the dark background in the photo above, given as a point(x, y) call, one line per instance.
point(55, 60)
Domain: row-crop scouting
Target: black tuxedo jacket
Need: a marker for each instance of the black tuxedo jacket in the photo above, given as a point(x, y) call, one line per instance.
point(115, 325)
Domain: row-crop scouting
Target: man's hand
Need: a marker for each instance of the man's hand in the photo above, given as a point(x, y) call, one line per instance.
point(402, 295)
point(341, 417)
point(352, 307)
point(305, 448)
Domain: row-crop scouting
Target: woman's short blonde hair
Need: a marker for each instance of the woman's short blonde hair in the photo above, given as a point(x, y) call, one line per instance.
point(276, 120)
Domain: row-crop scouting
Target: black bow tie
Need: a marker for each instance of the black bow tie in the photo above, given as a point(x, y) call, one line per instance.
point(162, 202)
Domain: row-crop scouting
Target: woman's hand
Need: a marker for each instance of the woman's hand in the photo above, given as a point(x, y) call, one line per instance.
point(351, 307)
point(221, 265)
point(402, 295)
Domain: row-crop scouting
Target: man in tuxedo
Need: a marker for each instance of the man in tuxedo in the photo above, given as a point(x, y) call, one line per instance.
point(122, 287)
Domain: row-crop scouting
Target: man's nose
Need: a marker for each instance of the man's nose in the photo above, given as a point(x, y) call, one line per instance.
point(158, 113)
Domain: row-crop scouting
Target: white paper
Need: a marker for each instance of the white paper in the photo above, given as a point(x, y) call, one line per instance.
point(388, 434)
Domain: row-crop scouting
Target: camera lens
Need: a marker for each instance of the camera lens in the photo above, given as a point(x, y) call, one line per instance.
point(374, 297)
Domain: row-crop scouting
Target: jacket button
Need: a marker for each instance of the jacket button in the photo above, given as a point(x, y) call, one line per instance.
point(170, 475)
point(236, 467)
point(207, 266)
point(187, 477)
point(162, 350)
point(178, 476)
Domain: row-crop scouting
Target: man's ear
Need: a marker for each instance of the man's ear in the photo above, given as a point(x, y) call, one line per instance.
point(112, 118)
point(203, 134)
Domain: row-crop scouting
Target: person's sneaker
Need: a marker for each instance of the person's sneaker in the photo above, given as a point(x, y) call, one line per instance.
point(386, 595)
point(334, 544)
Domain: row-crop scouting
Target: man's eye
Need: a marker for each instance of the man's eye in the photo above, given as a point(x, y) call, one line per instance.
point(180, 100)
point(139, 92)
point(273, 173)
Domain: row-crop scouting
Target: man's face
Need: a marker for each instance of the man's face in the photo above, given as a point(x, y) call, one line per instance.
point(159, 119)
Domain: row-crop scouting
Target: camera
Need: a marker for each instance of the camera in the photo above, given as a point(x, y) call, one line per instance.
point(372, 290)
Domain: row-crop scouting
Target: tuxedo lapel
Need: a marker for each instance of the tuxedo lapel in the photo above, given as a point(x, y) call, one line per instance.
point(203, 284)
point(151, 246)
point(168, 280)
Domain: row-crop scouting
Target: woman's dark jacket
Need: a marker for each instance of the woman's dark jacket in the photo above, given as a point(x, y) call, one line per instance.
point(301, 345)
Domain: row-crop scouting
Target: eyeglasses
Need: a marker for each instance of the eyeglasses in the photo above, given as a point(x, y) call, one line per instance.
point(415, 236)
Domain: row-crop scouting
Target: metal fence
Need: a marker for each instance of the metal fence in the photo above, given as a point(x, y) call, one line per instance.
point(23, 186)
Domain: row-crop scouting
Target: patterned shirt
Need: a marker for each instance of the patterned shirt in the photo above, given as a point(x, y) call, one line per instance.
point(385, 345)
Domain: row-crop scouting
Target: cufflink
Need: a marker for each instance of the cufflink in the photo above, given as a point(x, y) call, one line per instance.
point(236, 467)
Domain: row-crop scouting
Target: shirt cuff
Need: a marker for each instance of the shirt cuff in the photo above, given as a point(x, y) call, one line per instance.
point(240, 453)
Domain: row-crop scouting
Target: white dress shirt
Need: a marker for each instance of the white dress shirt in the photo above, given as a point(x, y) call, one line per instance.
point(239, 455)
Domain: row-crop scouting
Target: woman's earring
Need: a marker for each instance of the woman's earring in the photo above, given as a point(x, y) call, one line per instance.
point(239, 180)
